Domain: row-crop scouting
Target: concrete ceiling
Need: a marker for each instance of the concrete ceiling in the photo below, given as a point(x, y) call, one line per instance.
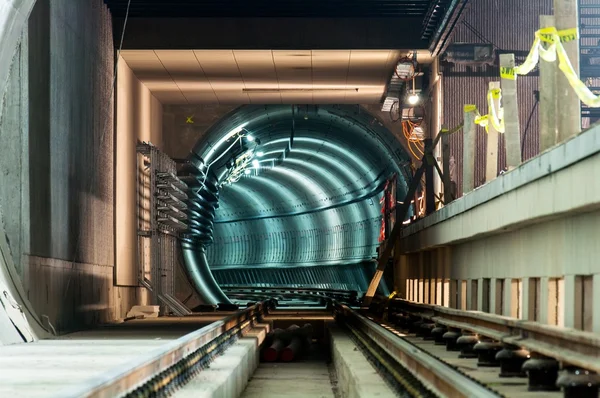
point(264, 76)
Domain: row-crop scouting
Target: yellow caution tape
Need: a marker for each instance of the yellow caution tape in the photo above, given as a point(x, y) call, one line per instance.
point(496, 115)
point(548, 45)
point(470, 108)
point(508, 73)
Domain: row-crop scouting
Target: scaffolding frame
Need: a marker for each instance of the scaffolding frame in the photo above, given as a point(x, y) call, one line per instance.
point(162, 217)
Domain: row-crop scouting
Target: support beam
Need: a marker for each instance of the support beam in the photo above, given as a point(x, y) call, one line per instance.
point(596, 304)
point(395, 234)
point(480, 293)
point(468, 162)
point(548, 99)
point(435, 112)
point(573, 304)
point(569, 118)
point(507, 298)
point(512, 135)
point(429, 176)
point(544, 300)
point(491, 161)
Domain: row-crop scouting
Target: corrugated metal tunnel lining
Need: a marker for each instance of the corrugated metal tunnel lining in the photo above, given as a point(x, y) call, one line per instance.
point(305, 212)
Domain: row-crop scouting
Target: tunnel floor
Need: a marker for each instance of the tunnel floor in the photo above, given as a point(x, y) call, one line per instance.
point(309, 377)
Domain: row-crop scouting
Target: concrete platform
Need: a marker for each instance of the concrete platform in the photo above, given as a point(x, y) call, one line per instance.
point(356, 376)
point(48, 367)
point(229, 373)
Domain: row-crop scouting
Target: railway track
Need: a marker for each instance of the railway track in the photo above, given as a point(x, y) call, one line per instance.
point(406, 350)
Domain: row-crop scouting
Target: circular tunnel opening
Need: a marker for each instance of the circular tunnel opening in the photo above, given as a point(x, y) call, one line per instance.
point(284, 195)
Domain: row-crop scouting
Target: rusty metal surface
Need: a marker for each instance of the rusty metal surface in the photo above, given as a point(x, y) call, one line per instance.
point(509, 25)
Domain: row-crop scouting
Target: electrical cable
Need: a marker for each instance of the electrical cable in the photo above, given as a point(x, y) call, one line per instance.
point(537, 101)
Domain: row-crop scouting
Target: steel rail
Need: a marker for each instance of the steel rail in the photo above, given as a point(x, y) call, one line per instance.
point(442, 379)
point(570, 346)
point(124, 379)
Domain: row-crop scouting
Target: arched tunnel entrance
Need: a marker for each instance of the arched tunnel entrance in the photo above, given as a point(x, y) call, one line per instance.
point(288, 196)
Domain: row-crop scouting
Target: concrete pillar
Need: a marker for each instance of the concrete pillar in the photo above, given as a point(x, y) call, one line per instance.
point(596, 304)
point(494, 300)
point(480, 293)
point(463, 294)
point(507, 299)
point(446, 293)
point(543, 316)
point(453, 293)
point(491, 161)
point(470, 293)
point(512, 134)
point(573, 304)
point(587, 309)
point(569, 118)
point(401, 274)
point(528, 299)
point(468, 162)
point(548, 100)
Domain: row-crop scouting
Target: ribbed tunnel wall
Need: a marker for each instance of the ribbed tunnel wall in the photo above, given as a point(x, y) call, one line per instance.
point(308, 218)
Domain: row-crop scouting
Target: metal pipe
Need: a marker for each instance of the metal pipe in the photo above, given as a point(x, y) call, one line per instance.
point(198, 270)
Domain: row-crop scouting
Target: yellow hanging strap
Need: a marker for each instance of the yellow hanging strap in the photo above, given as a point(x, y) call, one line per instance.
point(548, 45)
point(494, 118)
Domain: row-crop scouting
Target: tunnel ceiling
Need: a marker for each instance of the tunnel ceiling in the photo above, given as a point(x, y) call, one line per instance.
point(301, 206)
point(435, 14)
point(263, 76)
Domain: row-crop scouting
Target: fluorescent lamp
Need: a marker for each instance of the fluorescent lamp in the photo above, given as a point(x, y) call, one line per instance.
point(255, 163)
point(250, 138)
point(260, 154)
point(413, 99)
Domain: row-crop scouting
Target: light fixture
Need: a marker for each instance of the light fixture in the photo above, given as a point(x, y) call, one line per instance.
point(260, 154)
point(413, 98)
point(250, 138)
point(255, 164)
point(247, 171)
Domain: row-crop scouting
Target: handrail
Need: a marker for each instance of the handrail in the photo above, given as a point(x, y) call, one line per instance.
point(125, 378)
point(577, 347)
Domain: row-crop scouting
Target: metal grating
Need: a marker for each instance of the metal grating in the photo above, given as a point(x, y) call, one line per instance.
point(437, 15)
point(338, 277)
point(271, 8)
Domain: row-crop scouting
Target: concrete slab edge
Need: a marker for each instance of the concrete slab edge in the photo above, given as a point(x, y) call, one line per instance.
point(357, 378)
point(549, 162)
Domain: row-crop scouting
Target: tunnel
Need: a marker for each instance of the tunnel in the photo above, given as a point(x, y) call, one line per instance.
point(290, 196)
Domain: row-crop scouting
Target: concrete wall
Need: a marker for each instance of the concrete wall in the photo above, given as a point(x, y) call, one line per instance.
point(182, 134)
point(523, 245)
point(56, 165)
point(139, 118)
